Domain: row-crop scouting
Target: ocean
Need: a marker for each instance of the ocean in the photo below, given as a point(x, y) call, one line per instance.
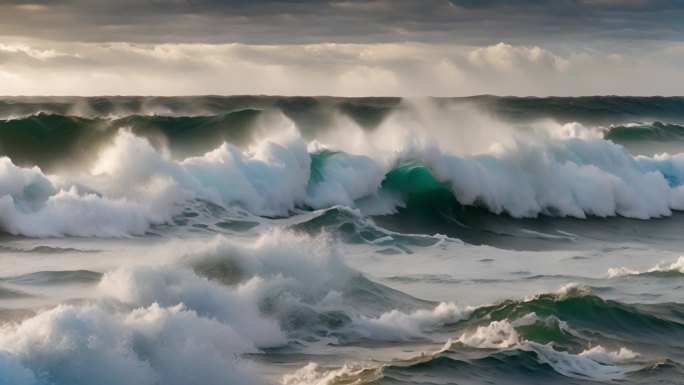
point(320, 240)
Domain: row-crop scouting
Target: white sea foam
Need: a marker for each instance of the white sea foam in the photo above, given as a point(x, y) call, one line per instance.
point(663, 267)
point(133, 186)
point(496, 335)
point(615, 272)
point(600, 354)
point(596, 363)
point(571, 177)
point(569, 289)
point(677, 266)
point(314, 374)
point(31, 204)
point(163, 323)
point(566, 170)
point(155, 344)
point(397, 326)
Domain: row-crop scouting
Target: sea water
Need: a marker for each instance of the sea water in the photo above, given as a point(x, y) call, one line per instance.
point(287, 240)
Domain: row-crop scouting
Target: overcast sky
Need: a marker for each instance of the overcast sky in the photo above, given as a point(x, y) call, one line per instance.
point(342, 47)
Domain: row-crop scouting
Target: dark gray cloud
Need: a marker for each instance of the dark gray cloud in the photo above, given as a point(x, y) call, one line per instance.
point(361, 21)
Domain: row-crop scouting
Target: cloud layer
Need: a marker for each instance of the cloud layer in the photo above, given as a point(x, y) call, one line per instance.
point(407, 69)
point(342, 47)
point(342, 21)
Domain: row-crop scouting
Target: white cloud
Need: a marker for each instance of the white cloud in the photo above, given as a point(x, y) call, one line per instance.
point(34, 53)
point(402, 69)
point(507, 57)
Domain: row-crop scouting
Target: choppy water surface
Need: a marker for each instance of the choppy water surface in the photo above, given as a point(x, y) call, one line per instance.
point(267, 240)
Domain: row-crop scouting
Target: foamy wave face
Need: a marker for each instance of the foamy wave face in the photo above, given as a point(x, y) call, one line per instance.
point(155, 344)
point(615, 272)
point(596, 363)
point(133, 186)
point(569, 177)
point(314, 374)
point(35, 206)
point(664, 267)
point(397, 326)
point(496, 335)
point(560, 170)
point(677, 266)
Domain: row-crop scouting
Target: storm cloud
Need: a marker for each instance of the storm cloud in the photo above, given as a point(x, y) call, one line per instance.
point(342, 47)
point(341, 21)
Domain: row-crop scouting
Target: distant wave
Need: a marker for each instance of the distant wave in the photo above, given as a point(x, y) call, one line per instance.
point(51, 140)
point(587, 110)
point(635, 132)
point(674, 269)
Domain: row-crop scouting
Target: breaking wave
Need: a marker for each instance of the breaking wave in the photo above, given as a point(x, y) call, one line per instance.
point(131, 185)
